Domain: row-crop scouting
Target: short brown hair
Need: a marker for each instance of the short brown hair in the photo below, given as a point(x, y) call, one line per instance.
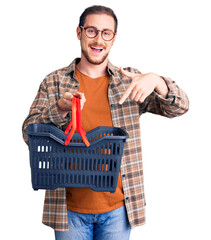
point(97, 9)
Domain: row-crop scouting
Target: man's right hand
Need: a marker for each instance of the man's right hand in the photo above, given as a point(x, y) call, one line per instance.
point(65, 103)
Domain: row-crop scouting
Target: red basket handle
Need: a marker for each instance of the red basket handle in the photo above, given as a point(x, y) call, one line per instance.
point(75, 123)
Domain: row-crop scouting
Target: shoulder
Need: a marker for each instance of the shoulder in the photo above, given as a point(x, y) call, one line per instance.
point(54, 79)
point(61, 72)
point(117, 73)
point(132, 70)
point(116, 70)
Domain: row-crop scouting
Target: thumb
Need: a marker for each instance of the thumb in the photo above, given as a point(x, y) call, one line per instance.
point(126, 73)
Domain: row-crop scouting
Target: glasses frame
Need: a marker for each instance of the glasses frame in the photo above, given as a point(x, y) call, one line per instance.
point(97, 31)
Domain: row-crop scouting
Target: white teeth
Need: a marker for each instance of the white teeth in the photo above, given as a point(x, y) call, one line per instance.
point(97, 48)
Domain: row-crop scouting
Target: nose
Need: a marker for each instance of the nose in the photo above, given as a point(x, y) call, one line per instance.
point(99, 36)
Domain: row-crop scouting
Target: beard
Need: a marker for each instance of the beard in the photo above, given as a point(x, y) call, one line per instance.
point(94, 61)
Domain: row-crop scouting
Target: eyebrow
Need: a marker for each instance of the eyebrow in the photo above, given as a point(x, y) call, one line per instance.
point(100, 30)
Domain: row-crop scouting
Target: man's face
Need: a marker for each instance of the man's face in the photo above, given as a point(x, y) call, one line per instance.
point(96, 50)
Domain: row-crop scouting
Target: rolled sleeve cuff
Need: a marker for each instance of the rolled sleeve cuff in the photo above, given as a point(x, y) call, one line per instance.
point(55, 117)
point(170, 98)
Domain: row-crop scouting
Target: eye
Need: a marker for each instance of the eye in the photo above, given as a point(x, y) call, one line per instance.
point(90, 30)
point(106, 33)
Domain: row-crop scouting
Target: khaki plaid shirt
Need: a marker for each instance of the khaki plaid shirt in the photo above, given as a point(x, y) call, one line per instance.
point(44, 109)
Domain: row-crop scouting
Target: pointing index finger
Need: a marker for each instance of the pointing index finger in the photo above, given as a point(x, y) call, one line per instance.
point(126, 94)
point(130, 88)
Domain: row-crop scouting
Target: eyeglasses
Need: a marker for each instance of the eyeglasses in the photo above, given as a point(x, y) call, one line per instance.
point(92, 32)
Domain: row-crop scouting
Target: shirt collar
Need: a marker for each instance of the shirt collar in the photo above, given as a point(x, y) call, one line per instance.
point(71, 68)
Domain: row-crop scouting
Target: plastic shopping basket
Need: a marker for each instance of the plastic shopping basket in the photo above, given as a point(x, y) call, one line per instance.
point(83, 160)
point(55, 165)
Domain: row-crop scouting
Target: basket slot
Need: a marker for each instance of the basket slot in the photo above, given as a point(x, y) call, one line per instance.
point(89, 164)
point(75, 179)
point(113, 149)
point(113, 165)
point(73, 164)
point(84, 164)
point(83, 179)
point(92, 164)
point(99, 165)
point(65, 162)
point(96, 182)
point(101, 182)
point(57, 178)
point(62, 163)
point(95, 165)
point(58, 163)
point(92, 180)
point(104, 181)
point(63, 178)
point(111, 181)
point(105, 167)
point(107, 181)
point(67, 178)
point(43, 147)
point(79, 164)
point(79, 179)
point(42, 163)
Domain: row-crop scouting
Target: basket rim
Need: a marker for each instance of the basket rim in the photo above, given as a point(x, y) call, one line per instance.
point(32, 130)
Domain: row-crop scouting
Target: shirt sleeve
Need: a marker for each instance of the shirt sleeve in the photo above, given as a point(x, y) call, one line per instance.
point(176, 103)
point(44, 109)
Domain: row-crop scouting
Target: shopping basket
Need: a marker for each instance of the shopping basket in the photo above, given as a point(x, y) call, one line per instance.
point(53, 164)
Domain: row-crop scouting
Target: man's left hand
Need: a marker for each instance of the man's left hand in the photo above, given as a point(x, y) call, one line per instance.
point(142, 86)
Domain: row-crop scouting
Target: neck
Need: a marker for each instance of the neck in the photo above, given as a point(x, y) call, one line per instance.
point(92, 70)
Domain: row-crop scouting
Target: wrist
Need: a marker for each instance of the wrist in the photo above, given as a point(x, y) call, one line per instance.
point(61, 111)
point(160, 86)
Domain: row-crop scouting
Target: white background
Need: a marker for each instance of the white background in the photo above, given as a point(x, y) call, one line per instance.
point(170, 38)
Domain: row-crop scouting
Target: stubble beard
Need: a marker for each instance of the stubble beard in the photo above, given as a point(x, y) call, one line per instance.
point(92, 61)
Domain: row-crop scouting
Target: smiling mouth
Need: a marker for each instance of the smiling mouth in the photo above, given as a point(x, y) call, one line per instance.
point(97, 49)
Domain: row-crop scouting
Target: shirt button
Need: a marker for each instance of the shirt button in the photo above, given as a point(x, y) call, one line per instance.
point(127, 198)
point(123, 175)
point(76, 86)
point(112, 105)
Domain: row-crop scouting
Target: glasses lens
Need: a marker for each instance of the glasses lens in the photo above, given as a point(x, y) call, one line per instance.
point(91, 32)
point(107, 35)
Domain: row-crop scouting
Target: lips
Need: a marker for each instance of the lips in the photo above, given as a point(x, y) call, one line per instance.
point(96, 49)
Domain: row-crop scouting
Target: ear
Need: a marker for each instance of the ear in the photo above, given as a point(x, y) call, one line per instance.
point(78, 31)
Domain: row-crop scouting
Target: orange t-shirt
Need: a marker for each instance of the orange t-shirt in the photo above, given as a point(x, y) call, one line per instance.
point(96, 112)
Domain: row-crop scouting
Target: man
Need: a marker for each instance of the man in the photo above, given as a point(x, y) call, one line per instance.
point(110, 96)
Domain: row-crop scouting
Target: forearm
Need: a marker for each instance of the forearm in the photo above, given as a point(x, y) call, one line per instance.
point(49, 114)
point(161, 87)
point(174, 103)
point(44, 110)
